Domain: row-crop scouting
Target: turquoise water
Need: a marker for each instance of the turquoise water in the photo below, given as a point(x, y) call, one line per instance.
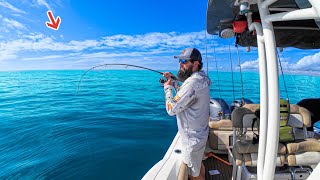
point(116, 127)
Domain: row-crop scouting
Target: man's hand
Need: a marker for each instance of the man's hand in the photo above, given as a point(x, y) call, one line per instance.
point(168, 75)
point(169, 82)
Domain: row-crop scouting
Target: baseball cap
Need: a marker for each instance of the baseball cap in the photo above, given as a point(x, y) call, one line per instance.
point(190, 53)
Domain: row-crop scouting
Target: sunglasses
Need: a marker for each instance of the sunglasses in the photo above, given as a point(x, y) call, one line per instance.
point(183, 61)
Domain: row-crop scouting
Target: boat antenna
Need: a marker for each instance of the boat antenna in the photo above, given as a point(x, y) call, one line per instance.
point(284, 82)
point(126, 65)
point(239, 65)
point(234, 99)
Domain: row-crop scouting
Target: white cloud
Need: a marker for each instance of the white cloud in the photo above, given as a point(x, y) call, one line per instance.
point(34, 36)
point(100, 55)
point(11, 7)
point(250, 65)
point(156, 39)
point(7, 54)
point(308, 63)
point(85, 53)
point(144, 46)
point(41, 43)
point(12, 24)
point(44, 58)
point(43, 3)
point(80, 45)
point(154, 42)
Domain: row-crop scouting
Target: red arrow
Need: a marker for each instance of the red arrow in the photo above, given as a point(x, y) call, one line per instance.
point(54, 23)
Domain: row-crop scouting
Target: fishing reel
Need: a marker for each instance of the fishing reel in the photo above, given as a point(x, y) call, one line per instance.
point(162, 80)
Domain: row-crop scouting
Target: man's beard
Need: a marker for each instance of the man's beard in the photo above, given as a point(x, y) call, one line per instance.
point(184, 74)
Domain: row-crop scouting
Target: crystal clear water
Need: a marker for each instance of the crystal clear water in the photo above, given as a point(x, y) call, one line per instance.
point(116, 127)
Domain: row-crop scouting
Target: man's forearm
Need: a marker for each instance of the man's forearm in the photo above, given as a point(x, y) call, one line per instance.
point(169, 98)
point(183, 99)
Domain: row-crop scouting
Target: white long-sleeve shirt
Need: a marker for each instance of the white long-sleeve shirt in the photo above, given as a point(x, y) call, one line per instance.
point(191, 107)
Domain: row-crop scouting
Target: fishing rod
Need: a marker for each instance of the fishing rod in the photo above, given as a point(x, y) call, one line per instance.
point(234, 99)
point(284, 81)
point(239, 65)
point(110, 64)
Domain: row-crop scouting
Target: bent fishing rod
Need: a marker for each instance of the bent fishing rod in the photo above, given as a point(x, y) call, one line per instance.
point(110, 64)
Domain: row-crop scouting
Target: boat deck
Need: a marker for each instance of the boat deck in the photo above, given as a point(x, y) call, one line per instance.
point(214, 164)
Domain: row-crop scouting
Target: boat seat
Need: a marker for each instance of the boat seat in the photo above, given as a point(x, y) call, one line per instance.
point(244, 151)
point(247, 147)
point(220, 134)
point(223, 124)
point(308, 145)
point(304, 159)
point(303, 151)
point(299, 118)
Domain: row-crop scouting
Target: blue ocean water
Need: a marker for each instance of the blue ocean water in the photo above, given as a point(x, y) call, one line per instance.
point(115, 127)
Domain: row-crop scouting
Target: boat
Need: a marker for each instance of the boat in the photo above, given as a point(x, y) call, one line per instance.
point(231, 151)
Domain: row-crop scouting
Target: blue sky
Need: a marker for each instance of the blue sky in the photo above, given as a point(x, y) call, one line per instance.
point(144, 32)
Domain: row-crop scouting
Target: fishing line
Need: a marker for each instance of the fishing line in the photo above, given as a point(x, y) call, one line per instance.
point(293, 80)
point(234, 98)
point(205, 35)
point(126, 65)
point(218, 77)
point(239, 65)
point(284, 82)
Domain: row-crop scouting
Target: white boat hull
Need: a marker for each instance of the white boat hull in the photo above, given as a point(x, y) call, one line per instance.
point(168, 167)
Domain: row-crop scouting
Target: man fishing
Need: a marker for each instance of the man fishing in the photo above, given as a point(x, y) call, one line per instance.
point(191, 107)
